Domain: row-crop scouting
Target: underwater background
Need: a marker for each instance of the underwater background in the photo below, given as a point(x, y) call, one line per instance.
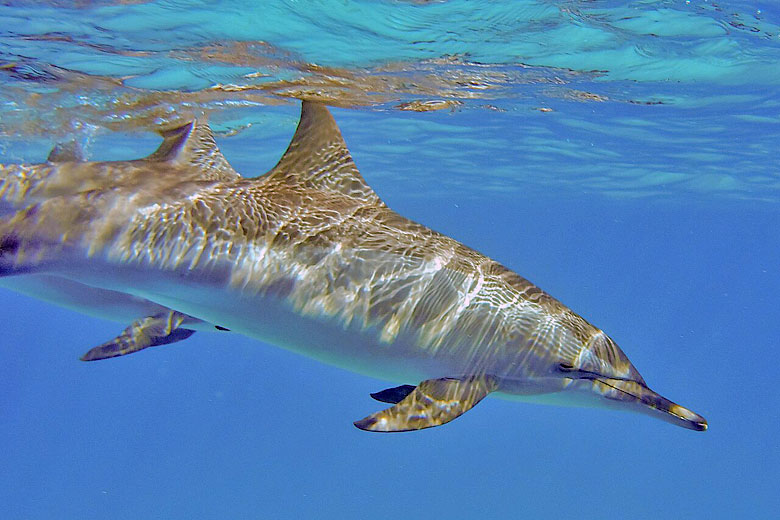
point(621, 155)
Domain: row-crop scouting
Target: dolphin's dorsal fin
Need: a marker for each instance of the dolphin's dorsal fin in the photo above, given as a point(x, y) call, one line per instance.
point(69, 151)
point(318, 158)
point(192, 145)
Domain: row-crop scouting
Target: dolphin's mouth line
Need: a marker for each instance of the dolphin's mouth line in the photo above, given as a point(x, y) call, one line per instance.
point(587, 374)
point(604, 382)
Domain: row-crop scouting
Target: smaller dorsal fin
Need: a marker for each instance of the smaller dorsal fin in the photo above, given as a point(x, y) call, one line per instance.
point(70, 151)
point(318, 158)
point(192, 144)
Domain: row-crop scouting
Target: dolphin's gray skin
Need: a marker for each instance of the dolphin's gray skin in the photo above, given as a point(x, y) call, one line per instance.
point(306, 257)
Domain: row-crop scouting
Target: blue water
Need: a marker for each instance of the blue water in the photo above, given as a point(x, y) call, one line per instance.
point(621, 155)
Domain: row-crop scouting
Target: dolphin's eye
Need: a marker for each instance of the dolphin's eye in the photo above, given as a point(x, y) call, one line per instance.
point(565, 367)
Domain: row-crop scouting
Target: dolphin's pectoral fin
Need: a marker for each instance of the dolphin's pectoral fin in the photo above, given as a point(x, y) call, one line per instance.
point(151, 331)
point(393, 395)
point(431, 403)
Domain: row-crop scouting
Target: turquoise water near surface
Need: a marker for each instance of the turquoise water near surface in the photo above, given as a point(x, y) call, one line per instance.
point(621, 155)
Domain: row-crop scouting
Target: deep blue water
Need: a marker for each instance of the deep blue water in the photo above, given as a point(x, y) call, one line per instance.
point(621, 155)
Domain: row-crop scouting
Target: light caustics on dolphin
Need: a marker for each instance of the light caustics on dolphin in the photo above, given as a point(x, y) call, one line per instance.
point(306, 257)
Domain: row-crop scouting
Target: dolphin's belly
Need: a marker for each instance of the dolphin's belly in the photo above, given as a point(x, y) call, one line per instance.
point(356, 347)
point(322, 337)
point(272, 317)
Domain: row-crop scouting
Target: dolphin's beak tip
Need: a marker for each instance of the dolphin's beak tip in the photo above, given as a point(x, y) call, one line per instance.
point(693, 420)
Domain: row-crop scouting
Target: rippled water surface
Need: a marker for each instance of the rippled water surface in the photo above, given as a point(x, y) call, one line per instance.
point(621, 155)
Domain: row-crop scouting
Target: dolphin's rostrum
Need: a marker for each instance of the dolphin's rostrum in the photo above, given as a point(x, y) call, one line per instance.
point(306, 257)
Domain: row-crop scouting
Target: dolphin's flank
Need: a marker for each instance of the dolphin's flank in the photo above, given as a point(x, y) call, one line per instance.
point(306, 257)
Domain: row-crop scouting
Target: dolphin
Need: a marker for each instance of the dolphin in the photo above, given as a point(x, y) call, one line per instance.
point(309, 258)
